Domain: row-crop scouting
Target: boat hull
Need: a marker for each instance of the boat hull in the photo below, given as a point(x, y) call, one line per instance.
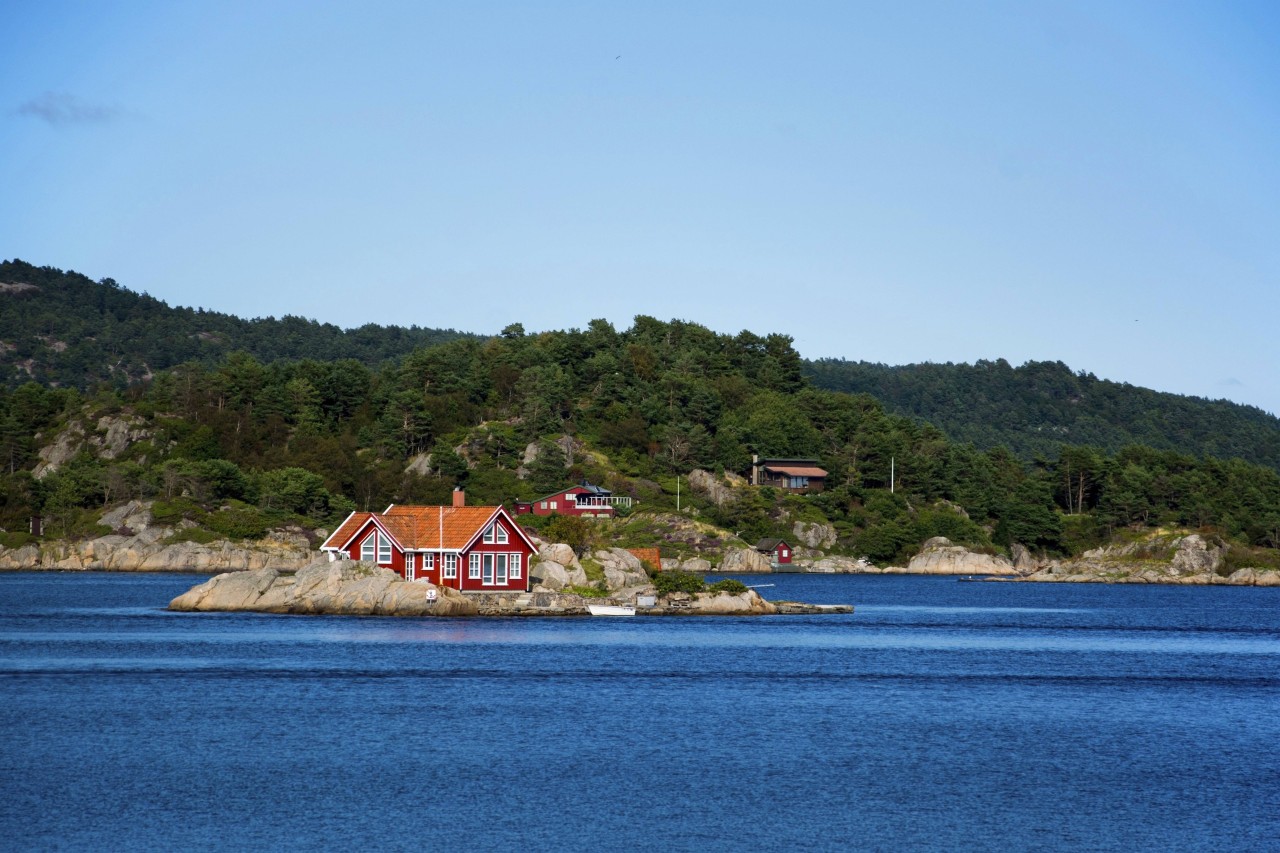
point(610, 610)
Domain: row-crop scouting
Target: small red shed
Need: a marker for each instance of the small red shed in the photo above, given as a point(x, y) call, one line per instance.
point(778, 551)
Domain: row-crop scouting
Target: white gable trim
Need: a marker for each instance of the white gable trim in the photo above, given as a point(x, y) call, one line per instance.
point(373, 519)
point(326, 546)
point(498, 512)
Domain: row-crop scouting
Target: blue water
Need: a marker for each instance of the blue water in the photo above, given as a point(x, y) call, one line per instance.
point(940, 715)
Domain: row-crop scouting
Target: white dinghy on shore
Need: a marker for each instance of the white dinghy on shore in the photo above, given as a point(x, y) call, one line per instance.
point(610, 610)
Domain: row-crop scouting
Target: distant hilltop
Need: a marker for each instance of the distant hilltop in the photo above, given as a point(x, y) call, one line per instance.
point(63, 329)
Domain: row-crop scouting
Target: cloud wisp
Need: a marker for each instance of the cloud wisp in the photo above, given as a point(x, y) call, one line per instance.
point(61, 109)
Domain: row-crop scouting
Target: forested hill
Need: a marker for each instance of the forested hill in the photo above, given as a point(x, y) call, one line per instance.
point(62, 328)
point(242, 447)
point(1036, 408)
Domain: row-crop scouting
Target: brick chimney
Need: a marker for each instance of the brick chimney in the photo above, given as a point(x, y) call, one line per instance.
point(459, 497)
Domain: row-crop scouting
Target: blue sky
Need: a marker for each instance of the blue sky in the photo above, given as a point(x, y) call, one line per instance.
point(1096, 183)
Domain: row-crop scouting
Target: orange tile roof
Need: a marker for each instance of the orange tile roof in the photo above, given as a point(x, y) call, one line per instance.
point(418, 527)
point(346, 530)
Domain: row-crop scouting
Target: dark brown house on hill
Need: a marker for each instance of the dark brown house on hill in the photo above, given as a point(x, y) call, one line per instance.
point(794, 475)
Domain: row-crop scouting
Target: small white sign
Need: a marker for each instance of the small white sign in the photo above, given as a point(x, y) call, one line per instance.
point(431, 595)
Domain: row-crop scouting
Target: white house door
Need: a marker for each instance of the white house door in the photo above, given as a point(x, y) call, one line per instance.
point(410, 566)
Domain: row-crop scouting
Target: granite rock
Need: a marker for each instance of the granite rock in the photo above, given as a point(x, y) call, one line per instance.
point(330, 587)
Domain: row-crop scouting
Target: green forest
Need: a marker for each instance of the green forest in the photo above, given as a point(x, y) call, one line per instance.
point(1034, 408)
point(242, 442)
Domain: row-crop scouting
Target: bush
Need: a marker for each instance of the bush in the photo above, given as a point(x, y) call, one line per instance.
point(1239, 557)
point(16, 539)
point(729, 585)
point(677, 581)
point(571, 530)
point(193, 534)
point(173, 511)
point(239, 522)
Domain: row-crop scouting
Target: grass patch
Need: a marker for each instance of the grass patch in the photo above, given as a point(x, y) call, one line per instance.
point(588, 591)
point(595, 571)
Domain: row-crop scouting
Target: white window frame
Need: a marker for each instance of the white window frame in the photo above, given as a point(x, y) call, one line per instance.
point(428, 561)
point(487, 577)
point(544, 505)
point(501, 565)
point(515, 566)
point(500, 533)
point(473, 567)
point(451, 565)
point(553, 505)
point(367, 548)
point(384, 547)
point(488, 535)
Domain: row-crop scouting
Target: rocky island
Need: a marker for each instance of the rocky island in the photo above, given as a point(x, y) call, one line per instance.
point(345, 587)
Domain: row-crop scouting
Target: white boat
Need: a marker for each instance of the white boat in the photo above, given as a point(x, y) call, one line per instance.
point(610, 610)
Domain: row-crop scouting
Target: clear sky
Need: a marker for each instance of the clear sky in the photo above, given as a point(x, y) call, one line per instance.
point(1096, 183)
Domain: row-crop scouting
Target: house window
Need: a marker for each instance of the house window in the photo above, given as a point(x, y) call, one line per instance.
point(384, 549)
point(488, 535)
point(473, 566)
point(495, 569)
point(799, 482)
point(366, 548)
point(515, 566)
point(544, 505)
point(451, 565)
point(428, 561)
point(553, 504)
point(782, 552)
point(500, 533)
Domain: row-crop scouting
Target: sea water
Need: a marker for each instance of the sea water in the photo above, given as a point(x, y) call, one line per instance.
point(940, 715)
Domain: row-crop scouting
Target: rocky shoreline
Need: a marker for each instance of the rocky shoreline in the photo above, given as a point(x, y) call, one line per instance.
point(1182, 560)
point(138, 544)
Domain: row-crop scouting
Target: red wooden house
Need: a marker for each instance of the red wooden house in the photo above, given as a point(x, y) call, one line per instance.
point(583, 499)
point(777, 550)
point(469, 548)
